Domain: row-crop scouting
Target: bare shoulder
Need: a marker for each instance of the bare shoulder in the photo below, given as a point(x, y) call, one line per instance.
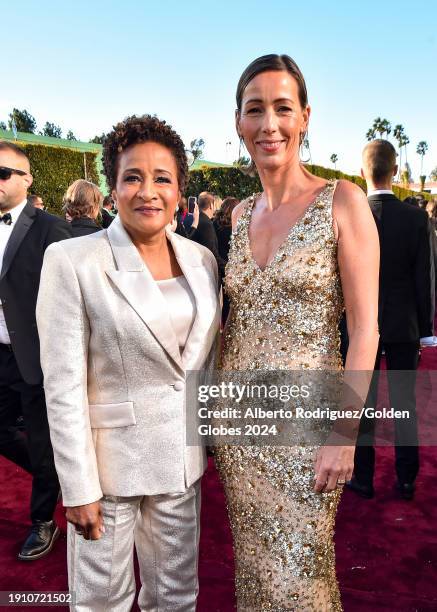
point(349, 202)
point(348, 195)
point(238, 210)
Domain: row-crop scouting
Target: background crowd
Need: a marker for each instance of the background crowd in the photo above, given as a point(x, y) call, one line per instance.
point(203, 218)
point(209, 224)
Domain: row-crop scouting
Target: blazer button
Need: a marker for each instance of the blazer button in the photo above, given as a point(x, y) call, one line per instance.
point(178, 386)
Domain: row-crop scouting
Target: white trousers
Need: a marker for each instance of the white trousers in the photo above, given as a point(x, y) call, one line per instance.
point(165, 531)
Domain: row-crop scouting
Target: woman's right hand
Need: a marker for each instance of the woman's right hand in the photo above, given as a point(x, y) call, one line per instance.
point(87, 520)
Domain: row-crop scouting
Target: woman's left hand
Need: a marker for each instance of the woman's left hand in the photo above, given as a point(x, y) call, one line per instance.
point(334, 465)
point(196, 215)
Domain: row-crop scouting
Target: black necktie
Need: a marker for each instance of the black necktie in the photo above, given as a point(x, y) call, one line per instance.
point(6, 218)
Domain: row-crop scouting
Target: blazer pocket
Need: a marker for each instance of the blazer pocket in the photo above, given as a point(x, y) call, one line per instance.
point(108, 416)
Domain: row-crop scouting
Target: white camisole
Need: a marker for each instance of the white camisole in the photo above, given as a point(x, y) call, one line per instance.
point(181, 306)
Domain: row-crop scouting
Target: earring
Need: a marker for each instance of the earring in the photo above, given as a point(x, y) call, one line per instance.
point(240, 145)
point(304, 143)
point(250, 168)
point(242, 150)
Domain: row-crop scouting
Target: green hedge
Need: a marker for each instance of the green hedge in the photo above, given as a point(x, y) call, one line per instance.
point(232, 182)
point(223, 181)
point(54, 169)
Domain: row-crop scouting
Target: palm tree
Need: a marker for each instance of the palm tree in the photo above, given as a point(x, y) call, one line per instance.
point(386, 127)
point(377, 126)
point(382, 126)
point(405, 142)
point(398, 131)
point(406, 176)
point(370, 134)
point(422, 148)
point(334, 159)
point(399, 135)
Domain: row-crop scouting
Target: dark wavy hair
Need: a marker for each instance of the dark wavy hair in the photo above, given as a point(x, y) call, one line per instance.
point(223, 216)
point(137, 129)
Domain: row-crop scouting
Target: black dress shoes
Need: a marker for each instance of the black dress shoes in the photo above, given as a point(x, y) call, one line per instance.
point(40, 540)
point(406, 490)
point(364, 491)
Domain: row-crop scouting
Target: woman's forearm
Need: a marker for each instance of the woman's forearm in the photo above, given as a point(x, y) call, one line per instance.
point(363, 346)
point(357, 376)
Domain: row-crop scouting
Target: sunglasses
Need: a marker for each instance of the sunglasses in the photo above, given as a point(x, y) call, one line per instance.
point(6, 173)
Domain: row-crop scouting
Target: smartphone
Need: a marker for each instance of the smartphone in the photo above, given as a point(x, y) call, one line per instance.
point(192, 201)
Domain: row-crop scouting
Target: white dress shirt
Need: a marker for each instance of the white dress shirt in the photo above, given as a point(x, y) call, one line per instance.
point(5, 233)
point(371, 192)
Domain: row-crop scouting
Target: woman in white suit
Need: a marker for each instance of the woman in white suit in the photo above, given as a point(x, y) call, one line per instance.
point(122, 315)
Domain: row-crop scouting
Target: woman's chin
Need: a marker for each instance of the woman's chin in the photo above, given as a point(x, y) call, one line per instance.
point(147, 226)
point(270, 162)
point(152, 229)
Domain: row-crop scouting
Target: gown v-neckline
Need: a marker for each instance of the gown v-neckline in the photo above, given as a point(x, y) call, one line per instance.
point(298, 221)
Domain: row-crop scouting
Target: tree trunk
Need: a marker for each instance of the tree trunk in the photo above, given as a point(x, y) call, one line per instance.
point(400, 163)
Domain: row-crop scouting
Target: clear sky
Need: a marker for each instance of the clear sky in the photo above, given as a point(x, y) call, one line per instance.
point(84, 65)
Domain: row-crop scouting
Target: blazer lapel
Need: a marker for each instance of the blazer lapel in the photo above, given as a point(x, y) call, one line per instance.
point(22, 226)
point(137, 285)
point(203, 286)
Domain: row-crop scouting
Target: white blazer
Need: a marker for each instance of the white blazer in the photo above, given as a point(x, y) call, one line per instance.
point(113, 375)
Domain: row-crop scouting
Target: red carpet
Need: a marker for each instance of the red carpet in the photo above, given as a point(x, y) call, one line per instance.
point(386, 548)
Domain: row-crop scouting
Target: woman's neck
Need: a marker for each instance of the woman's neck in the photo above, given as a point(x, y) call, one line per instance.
point(150, 247)
point(283, 184)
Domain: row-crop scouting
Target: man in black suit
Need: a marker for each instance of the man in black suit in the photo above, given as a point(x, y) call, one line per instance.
point(36, 201)
point(205, 233)
point(25, 232)
point(406, 314)
point(108, 215)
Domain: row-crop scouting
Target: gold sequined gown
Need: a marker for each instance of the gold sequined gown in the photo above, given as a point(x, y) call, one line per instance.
point(283, 317)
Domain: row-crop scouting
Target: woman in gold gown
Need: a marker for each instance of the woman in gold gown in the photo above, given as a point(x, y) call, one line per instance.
point(301, 251)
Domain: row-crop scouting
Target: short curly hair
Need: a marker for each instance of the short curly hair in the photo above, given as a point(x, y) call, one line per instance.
point(135, 130)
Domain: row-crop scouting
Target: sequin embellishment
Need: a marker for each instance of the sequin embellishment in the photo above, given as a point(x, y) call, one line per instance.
point(283, 317)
